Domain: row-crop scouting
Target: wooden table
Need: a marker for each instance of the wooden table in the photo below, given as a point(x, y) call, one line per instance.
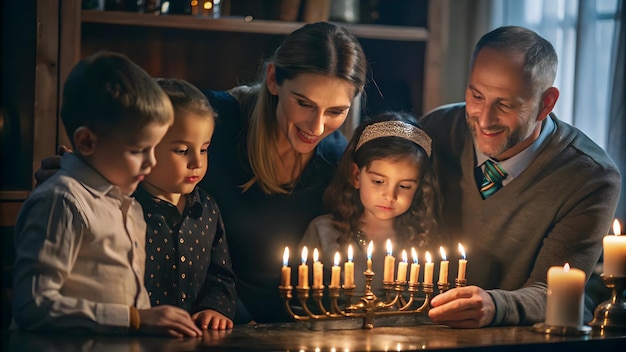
point(322, 337)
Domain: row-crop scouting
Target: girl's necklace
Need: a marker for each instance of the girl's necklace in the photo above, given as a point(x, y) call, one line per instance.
point(361, 238)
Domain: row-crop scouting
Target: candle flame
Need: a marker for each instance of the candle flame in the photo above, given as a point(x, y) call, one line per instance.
point(370, 249)
point(443, 253)
point(414, 253)
point(337, 258)
point(404, 256)
point(617, 230)
point(388, 247)
point(462, 250)
point(305, 254)
point(350, 253)
point(316, 255)
point(286, 256)
point(428, 258)
point(566, 267)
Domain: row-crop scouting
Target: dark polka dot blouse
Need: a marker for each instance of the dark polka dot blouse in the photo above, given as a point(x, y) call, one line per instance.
point(187, 260)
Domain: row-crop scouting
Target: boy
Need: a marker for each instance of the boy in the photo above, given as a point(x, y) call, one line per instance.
point(187, 264)
point(79, 237)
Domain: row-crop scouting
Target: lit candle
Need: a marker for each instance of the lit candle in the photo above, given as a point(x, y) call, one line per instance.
point(415, 268)
point(336, 273)
point(317, 270)
point(462, 263)
point(370, 249)
point(615, 252)
point(428, 269)
point(349, 270)
point(566, 292)
point(303, 270)
point(443, 267)
point(402, 268)
point(285, 272)
point(389, 263)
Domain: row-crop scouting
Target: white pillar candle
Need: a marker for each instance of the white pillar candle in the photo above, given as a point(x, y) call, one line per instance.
point(615, 252)
point(303, 270)
point(428, 270)
point(389, 264)
point(565, 301)
point(415, 268)
point(443, 267)
point(348, 281)
point(285, 272)
point(318, 273)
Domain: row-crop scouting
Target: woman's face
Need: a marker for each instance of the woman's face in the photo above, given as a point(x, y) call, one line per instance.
point(310, 107)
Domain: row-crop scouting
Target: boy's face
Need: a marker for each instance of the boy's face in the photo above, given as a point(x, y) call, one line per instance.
point(182, 156)
point(125, 159)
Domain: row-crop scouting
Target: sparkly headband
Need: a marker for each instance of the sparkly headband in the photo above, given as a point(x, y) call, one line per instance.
point(395, 129)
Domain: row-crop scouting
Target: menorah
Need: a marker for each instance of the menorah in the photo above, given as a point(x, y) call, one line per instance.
point(369, 305)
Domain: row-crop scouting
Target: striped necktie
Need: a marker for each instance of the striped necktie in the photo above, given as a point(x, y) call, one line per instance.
point(492, 182)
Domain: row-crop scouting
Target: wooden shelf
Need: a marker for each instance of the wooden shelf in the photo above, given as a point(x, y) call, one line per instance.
point(241, 24)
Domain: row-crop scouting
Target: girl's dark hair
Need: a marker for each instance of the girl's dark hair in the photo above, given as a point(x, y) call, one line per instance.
point(417, 225)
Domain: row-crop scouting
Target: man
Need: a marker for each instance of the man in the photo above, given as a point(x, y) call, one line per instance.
point(550, 192)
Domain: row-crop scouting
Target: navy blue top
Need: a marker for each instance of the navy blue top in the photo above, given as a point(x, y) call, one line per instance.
point(259, 226)
point(187, 260)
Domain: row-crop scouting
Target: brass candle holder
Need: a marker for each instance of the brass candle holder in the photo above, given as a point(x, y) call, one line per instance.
point(369, 306)
point(611, 314)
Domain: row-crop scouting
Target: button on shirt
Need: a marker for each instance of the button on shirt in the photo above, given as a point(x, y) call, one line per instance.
point(79, 254)
point(187, 261)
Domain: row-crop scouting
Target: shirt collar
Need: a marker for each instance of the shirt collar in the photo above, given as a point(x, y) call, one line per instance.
point(516, 164)
point(149, 201)
point(91, 179)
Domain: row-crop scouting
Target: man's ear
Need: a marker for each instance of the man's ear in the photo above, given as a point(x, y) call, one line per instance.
point(85, 140)
point(355, 176)
point(270, 76)
point(548, 100)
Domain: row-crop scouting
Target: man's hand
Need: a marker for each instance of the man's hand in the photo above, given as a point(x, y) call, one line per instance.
point(210, 319)
point(167, 320)
point(463, 307)
point(50, 165)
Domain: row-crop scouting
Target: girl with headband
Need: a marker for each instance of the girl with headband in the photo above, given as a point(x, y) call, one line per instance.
point(385, 188)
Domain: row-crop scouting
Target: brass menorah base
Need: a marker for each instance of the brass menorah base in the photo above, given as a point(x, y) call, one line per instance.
point(369, 306)
point(611, 314)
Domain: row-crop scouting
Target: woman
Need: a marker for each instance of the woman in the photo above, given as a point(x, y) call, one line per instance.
point(274, 151)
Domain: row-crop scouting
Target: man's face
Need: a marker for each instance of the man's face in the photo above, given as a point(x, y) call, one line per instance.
point(502, 109)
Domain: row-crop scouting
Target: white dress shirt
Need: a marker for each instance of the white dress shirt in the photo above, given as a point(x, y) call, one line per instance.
point(80, 254)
